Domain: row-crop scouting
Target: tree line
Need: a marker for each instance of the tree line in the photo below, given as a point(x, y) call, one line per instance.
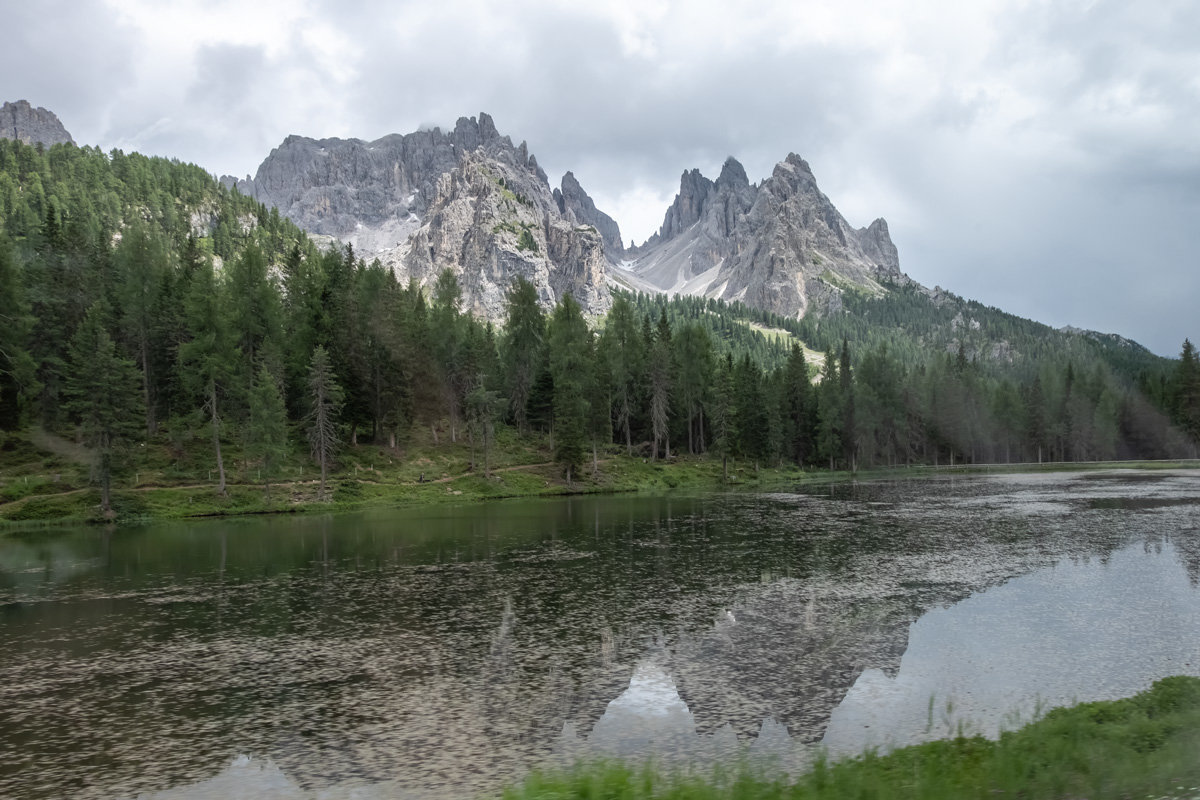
point(141, 299)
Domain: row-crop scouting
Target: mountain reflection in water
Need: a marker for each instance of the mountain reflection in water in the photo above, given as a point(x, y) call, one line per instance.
point(1086, 629)
point(443, 652)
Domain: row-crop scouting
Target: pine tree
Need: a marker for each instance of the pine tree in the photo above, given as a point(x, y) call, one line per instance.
point(483, 406)
point(266, 435)
point(724, 424)
point(695, 361)
point(17, 368)
point(798, 406)
point(622, 348)
point(326, 398)
point(1186, 392)
point(849, 433)
point(209, 358)
point(570, 352)
point(103, 392)
point(829, 411)
point(661, 373)
point(525, 333)
point(141, 260)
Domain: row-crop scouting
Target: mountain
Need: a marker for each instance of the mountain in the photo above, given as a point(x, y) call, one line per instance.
point(30, 125)
point(468, 200)
point(780, 246)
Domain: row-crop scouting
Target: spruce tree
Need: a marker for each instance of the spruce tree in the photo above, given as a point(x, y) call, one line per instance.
point(570, 351)
point(661, 374)
point(266, 434)
point(209, 359)
point(17, 368)
point(1187, 392)
point(524, 338)
point(326, 398)
point(104, 397)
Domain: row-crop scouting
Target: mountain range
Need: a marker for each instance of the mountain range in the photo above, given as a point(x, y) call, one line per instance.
point(471, 201)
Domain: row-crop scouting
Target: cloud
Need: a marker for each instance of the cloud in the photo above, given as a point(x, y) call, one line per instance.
point(1027, 154)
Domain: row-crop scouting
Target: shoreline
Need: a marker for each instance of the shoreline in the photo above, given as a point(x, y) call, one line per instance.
point(350, 489)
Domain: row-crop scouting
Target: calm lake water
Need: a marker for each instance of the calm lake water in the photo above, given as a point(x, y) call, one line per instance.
point(444, 651)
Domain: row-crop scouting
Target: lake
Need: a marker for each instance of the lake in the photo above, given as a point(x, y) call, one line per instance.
point(443, 651)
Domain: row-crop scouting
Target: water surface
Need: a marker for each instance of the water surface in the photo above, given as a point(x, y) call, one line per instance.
point(441, 652)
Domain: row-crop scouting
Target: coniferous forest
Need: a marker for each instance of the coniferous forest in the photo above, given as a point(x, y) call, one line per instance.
point(142, 303)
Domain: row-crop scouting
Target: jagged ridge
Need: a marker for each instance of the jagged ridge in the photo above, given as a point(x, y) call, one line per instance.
point(780, 246)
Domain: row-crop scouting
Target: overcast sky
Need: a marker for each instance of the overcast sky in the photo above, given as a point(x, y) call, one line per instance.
point(1043, 157)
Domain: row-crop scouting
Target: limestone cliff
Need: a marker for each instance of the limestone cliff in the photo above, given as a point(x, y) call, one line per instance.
point(781, 245)
point(30, 125)
point(467, 200)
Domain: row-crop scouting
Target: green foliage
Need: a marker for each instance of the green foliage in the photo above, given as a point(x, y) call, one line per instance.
point(526, 242)
point(1142, 746)
point(266, 431)
point(104, 397)
point(326, 404)
point(570, 347)
point(206, 288)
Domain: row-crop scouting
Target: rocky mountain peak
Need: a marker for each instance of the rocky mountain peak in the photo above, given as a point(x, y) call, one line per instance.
point(781, 245)
point(694, 190)
point(733, 174)
point(23, 122)
point(467, 200)
point(574, 201)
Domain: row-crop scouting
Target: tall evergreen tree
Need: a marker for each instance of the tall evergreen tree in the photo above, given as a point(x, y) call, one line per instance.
point(570, 351)
point(829, 411)
point(266, 437)
point(1187, 392)
point(141, 260)
point(849, 433)
point(17, 368)
point(326, 400)
point(622, 348)
point(798, 407)
point(661, 374)
point(694, 355)
point(209, 359)
point(524, 338)
point(724, 423)
point(104, 396)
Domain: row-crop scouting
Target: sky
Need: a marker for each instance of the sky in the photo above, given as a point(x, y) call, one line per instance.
point(1041, 157)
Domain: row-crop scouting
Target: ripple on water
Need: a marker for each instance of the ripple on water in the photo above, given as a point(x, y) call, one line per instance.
point(438, 654)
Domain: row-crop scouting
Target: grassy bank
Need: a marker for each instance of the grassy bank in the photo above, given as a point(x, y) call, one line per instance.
point(1146, 746)
point(45, 478)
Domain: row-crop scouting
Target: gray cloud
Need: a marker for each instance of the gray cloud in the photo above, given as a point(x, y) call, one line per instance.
point(1042, 159)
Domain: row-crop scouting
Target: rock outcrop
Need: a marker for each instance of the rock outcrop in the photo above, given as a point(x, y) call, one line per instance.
point(573, 200)
point(493, 219)
point(469, 201)
point(780, 246)
point(30, 125)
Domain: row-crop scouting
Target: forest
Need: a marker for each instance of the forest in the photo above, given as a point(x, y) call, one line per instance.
point(141, 301)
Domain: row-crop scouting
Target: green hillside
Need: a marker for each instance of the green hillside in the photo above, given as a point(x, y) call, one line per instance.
point(162, 324)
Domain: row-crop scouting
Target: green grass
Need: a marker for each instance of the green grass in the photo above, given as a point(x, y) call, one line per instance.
point(1146, 746)
point(173, 476)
